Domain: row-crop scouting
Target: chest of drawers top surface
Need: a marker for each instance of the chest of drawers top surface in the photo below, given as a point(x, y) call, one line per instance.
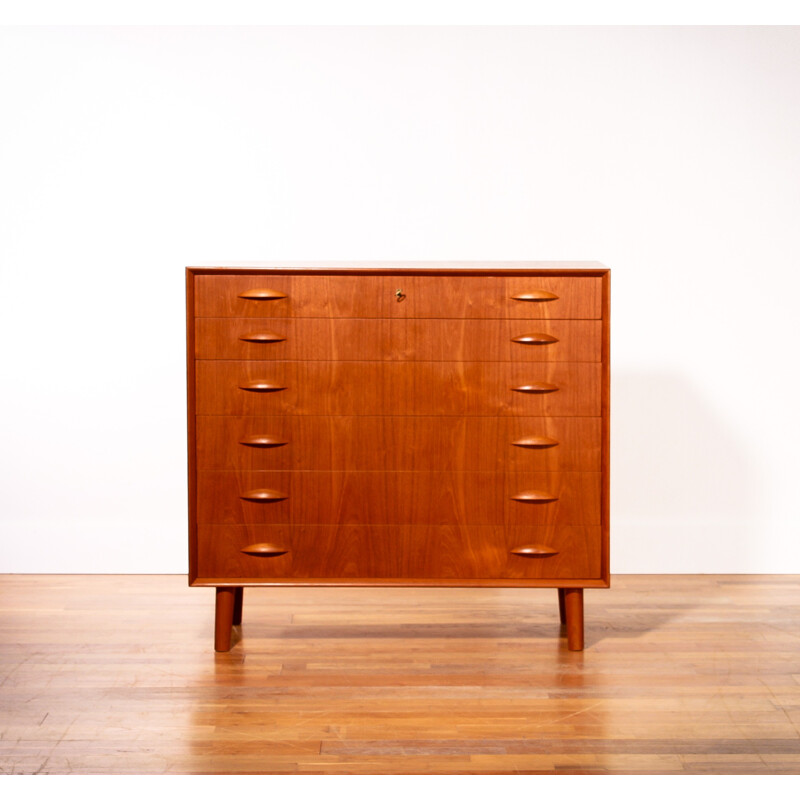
point(399, 423)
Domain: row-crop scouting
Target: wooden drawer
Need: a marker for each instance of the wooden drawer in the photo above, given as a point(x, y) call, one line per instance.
point(276, 295)
point(395, 388)
point(497, 340)
point(412, 498)
point(460, 296)
point(286, 552)
point(314, 339)
point(300, 339)
point(445, 444)
point(495, 297)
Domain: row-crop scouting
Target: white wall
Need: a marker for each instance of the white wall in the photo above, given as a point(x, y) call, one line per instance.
point(672, 155)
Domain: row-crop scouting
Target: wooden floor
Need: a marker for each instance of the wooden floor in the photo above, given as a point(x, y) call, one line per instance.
point(682, 674)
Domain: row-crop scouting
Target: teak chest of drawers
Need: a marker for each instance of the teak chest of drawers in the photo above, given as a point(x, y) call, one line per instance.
point(389, 424)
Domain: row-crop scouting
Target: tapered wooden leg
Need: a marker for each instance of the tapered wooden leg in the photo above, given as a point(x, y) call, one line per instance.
point(238, 597)
point(562, 611)
point(573, 605)
point(223, 619)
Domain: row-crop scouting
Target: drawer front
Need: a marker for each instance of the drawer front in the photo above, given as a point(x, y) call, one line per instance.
point(301, 339)
point(497, 340)
point(398, 551)
point(358, 388)
point(276, 295)
point(412, 498)
point(444, 444)
point(399, 296)
point(313, 339)
point(495, 297)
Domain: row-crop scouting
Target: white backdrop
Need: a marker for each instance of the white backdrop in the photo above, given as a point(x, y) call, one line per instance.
point(672, 155)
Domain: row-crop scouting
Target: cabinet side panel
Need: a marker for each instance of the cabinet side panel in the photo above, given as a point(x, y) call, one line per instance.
point(191, 431)
point(606, 414)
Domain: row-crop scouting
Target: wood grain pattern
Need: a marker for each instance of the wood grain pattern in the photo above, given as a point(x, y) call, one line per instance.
point(368, 296)
point(413, 498)
point(312, 339)
point(445, 444)
point(322, 388)
point(446, 552)
point(682, 674)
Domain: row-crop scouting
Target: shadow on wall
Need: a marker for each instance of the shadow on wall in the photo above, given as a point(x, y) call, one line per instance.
point(681, 482)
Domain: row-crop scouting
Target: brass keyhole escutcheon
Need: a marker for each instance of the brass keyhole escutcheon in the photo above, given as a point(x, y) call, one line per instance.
point(399, 295)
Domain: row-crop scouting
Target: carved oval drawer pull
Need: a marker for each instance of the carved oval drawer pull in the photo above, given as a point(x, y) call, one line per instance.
point(534, 551)
point(537, 296)
point(535, 338)
point(259, 440)
point(262, 294)
point(264, 496)
point(261, 386)
point(535, 441)
point(265, 550)
point(262, 337)
point(534, 497)
point(535, 388)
